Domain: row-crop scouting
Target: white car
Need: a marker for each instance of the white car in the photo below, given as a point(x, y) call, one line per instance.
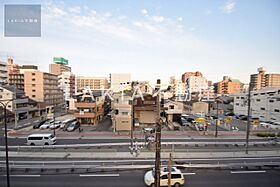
point(177, 178)
point(46, 125)
point(55, 125)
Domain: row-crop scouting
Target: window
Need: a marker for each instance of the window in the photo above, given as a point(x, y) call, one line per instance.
point(171, 106)
point(175, 176)
point(237, 104)
point(276, 110)
point(271, 101)
point(124, 121)
point(33, 73)
point(262, 108)
point(124, 113)
point(33, 90)
point(33, 79)
point(9, 106)
point(33, 85)
point(164, 177)
point(33, 95)
point(258, 100)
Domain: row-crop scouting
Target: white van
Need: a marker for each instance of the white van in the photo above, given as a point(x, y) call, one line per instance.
point(41, 139)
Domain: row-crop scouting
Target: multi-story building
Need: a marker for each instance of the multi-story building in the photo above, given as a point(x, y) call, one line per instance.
point(89, 107)
point(3, 73)
point(265, 80)
point(145, 110)
point(18, 104)
point(122, 112)
point(186, 75)
point(196, 84)
point(228, 86)
point(119, 81)
point(60, 65)
point(66, 79)
point(12, 68)
point(94, 83)
point(265, 104)
point(178, 88)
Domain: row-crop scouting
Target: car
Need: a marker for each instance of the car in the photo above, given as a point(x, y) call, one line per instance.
point(65, 123)
point(73, 126)
point(184, 122)
point(177, 178)
point(38, 123)
point(229, 114)
point(191, 120)
point(47, 124)
point(136, 122)
point(55, 125)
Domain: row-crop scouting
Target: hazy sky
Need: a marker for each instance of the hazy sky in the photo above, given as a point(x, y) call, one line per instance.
point(153, 39)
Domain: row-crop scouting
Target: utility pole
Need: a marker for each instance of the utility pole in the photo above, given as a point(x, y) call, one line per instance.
point(15, 105)
point(216, 129)
point(248, 119)
point(158, 138)
point(169, 170)
point(132, 122)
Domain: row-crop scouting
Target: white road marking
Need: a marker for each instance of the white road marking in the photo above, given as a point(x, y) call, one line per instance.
point(100, 175)
point(244, 172)
point(23, 175)
point(189, 173)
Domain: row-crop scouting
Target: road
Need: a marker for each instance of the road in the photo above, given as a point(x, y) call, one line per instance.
point(199, 178)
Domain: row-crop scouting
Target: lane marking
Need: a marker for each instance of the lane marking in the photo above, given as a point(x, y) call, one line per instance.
point(99, 175)
point(189, 173)
point(245, 172)
point(23, 175)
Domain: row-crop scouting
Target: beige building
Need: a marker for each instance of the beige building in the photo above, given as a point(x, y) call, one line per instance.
point(3, 73)
point(89, 107)
point(265, 80)
point(122, 116)
point(200, 107)
point(145, 110)
point(228, 86)
point(94, 83)
point(57, 69)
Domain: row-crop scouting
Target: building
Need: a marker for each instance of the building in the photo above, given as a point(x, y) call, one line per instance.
point(122, 112)
point(145, 110)
point(178, 88)
point(12, 68)
point(265, 104)
point(66, 82)
point(228, 86)
point(265, 80)
point(90, 107)
point(94, 83)
point(186, 75)
point(196, 84)
point(3, 73)
point(173, 110)
point(59, 65)
point(119, 82)
point(18, 104)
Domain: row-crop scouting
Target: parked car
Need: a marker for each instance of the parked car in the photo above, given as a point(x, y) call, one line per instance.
point(177, 178)
point(38, 123)
point(66, 123)
point(73, 126)
point(47, 124)
point(136, 122)
point(55, 125)
point(184, 122)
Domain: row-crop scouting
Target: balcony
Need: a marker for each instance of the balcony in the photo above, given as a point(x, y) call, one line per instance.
point(84, 115)
point(85, 105)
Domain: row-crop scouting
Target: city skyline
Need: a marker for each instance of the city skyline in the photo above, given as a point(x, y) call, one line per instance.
point(154, 39)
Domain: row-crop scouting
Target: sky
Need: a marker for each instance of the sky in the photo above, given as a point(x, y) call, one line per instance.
point(153, 39)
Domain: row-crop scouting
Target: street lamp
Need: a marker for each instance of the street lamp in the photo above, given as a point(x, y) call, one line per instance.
point(6, 139)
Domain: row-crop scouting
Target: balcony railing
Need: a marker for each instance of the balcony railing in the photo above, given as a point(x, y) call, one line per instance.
point(84, 115)
point(85, 105)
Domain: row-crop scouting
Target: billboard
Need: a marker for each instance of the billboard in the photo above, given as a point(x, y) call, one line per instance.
point(60, 60)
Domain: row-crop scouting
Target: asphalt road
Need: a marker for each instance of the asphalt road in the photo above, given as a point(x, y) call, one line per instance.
point(202, 178)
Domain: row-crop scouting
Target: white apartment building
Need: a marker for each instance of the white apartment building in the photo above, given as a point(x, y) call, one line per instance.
point(3, 73)
point(265, 104)
point(119, 81)
point(64, 84)
point(196, 84)
point(178, 88)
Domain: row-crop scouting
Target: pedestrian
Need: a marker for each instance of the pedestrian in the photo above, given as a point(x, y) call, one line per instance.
point(80, 129)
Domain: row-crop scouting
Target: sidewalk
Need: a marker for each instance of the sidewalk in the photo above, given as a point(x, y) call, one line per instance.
point(143, 155)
